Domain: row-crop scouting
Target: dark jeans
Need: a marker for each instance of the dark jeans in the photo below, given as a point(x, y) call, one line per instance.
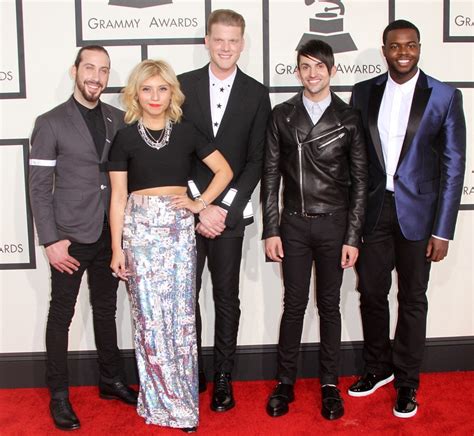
point(223, 260)
point(95, 258)
point(383, 250)
point(308, 240)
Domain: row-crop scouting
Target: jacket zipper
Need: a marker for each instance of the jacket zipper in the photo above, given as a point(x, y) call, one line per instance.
point(300, 159)
point(323, 135)
point(331, 140)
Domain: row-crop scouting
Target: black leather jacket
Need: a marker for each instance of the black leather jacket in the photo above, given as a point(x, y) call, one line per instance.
point(324, 167)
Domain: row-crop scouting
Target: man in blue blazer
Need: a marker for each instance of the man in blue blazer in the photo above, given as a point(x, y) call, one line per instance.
point(416, 139)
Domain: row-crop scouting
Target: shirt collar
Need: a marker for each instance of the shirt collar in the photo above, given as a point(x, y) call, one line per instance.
point(227, 81)
point(85, 110)
point(323, 104)
point(407, 87)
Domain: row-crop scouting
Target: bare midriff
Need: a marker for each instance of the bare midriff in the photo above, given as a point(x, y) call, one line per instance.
point(162, 190)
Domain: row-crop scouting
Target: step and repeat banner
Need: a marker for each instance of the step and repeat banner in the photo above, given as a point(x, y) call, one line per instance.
point(39, 41)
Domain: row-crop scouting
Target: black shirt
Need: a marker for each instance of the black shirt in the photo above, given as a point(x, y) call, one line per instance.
point(95, 122)
point(148, 167)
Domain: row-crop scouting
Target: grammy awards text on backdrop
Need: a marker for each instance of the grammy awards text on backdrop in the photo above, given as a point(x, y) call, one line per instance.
point(11, 248)
point(6, 75)
point(95, 23)
point(463, 21)
point(282, 69)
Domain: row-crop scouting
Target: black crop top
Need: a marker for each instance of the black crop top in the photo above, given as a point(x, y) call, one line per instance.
point(150, 168)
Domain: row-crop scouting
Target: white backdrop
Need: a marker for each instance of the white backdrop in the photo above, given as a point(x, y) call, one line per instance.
point(39, 40)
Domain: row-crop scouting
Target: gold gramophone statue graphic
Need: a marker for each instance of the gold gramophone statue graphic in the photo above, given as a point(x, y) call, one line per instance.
point(139, 3)
point(328, 26)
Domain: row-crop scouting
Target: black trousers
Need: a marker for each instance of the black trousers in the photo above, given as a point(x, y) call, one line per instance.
point(383, 250)
point(95, 258)
point(223, 260)
point(307, 241)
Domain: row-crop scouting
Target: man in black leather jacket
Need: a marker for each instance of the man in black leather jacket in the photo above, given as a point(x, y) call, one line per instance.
point(315, 142)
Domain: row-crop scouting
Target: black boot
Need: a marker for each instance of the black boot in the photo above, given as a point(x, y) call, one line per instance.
point(63, 416)
point(117, 391)
point(222, 398)
point(333, 407)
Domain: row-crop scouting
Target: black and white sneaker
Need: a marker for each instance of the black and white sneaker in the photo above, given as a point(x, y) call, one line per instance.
point(406, 405)
point(368, 384)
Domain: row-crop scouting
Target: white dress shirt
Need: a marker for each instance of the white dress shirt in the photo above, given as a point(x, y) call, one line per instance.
point(393, 120)
point(219, 92)
point(316, 109)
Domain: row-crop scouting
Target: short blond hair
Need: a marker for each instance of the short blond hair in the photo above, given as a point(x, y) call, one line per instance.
point(142, 72)
point(227, 17)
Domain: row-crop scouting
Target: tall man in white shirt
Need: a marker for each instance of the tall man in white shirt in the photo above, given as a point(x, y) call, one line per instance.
point(416, 139)
point(231, 110)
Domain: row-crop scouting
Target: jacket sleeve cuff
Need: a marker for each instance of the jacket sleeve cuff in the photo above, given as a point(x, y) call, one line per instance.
point(351, 240)
point(269, 233)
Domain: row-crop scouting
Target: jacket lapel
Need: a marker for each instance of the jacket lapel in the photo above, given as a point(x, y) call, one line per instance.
point(109, 133)
point(329, 120)
point(204, 99)
point(79, 124)
point(420, 100)
point(299, 118)
point(375, 100)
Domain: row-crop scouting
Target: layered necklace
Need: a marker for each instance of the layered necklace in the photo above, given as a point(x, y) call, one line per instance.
point(150, 139)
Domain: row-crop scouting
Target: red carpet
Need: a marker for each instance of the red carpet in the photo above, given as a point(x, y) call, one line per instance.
point(446, 408)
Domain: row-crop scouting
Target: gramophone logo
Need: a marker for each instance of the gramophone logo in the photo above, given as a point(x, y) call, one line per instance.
point(139, 3)
point(328, 26)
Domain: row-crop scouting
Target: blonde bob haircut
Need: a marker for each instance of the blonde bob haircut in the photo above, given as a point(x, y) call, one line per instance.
point(142, 72)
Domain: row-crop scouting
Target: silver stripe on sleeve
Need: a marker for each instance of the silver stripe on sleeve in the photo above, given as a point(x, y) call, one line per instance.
point(194, 189)
point(42, 163)
point(248, 211)
point(229, 197)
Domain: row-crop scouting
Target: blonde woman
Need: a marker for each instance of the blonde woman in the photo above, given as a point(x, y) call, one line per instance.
point(153, 243)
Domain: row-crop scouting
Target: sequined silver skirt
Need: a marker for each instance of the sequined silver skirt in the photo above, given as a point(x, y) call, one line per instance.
point(159, 246)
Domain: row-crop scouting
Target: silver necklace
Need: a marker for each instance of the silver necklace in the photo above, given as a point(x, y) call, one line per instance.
point(149, 138)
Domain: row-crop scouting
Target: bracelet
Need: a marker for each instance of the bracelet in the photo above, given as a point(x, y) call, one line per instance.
point(204, 204)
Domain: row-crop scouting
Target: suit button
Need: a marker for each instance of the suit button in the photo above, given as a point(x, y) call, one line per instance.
point(396, 177)
point(102, 187)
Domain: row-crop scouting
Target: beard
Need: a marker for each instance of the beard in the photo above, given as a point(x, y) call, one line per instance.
point(88, 96)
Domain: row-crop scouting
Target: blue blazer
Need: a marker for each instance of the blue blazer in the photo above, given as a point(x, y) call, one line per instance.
point(429, 177)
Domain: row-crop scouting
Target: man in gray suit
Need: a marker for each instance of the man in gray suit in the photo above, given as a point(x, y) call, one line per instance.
point(70, 197)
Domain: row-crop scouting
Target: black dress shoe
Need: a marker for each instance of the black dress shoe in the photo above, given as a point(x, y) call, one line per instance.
point(202, 382)
point(333, 406)
point(189, 429)
point(117, 391)
point(63, 416)
point(222, 397)
point(368, 384)
point(406, 405)
point(282, 395)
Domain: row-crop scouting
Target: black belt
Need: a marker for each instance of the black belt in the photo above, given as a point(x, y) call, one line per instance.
point(309, 215)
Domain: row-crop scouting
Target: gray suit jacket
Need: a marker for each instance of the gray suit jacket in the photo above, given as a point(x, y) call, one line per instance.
point(69, 191)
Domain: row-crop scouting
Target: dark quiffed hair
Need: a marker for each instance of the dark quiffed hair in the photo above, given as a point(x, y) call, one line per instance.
point(89, 47)
point(317, 49)
point(399, 24)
